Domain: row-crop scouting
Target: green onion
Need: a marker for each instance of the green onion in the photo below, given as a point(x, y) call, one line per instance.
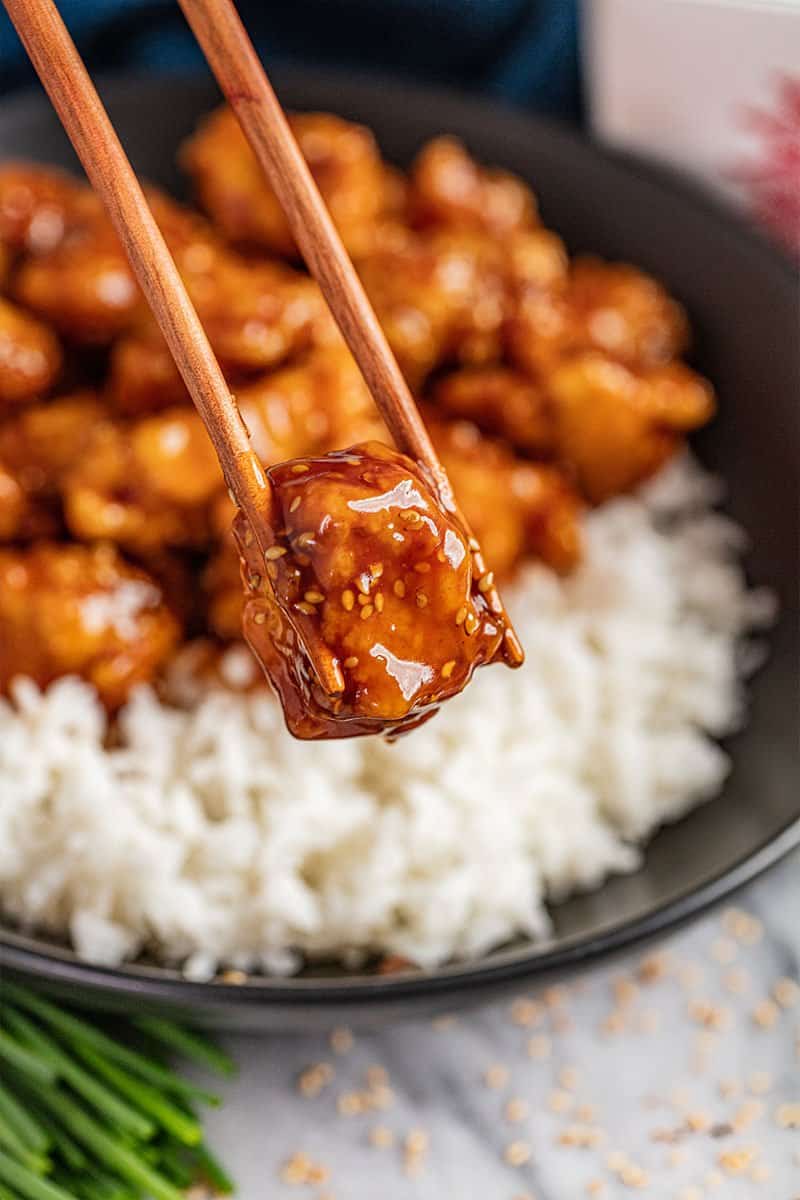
point(168, 1116)
point(28, 1184)
point(23, 1060)
point(27, 1127)
point(190, 1044)
point(14, 1145)
point(213, 1171)
point(106, 1103)
point(73, 1027)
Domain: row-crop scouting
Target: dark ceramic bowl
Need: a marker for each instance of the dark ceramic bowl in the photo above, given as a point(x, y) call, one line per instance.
point(742, 297)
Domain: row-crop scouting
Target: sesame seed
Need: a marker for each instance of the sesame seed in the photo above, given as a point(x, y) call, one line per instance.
point(474, 545)
point(351, 662)
point(788, 1116)
point(486, 582)
point(411, 516)
point(399, 588)
point(653, 967)
point(312, 1081)
point(307, 609)
point(422, 568)
point(560, 1101)
point(272, 570)
point(260, 618)
point(734, 1162)
point(461, 615)
point(293, 507)
point(348, 599)
point(634, 1177)
point(379, 602)
point(516, 1109)
point(376, 570)
point(362, 600)
point(305, 539)
point(314, 597)
point(416, 1141)
point(421, 599)
point(341, 1039)
point(350, 1104)
point(470, 623)
point(381, 1137)
point(448, 668)
point(736, 981)
point(367, 611)
point(496, 1076)
point(234, 977)
point(274, 552)
point(254, 581)
point(595, 1187)
point(526, 1012)
point(765, 1014)
point(786, 992)
point(299, 469)
point(517, 1154)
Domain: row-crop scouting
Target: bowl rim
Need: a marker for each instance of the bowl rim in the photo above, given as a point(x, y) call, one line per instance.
point(50, 963)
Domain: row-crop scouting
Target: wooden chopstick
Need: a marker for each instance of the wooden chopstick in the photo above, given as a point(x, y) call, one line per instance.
point(241, 76)
point(75, 99)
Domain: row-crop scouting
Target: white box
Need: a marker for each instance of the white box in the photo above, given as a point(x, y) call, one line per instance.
point(681, 80)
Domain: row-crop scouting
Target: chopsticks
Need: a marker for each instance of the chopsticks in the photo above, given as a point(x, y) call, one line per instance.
point(238, 70)
point(82, 114)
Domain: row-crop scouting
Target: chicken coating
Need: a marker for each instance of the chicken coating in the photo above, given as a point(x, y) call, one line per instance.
point(37, 205)
point(343, 159)
point(75, 610)
point(615, 426)
point(38, 446)
point(611, 307)
point(30, 357)
point(516, 509)
point(500, 401)
point(145, 484)
point(447, 187)
point(372, 609)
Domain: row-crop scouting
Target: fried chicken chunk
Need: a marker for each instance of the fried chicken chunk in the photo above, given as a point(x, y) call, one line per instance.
point(37, 204)
point(515, 508)
point(342, 157)
point(38, 446)
point(144, 484)
point(447, 187)
point(500, 401)
point(74, 610)
point(30, 357)
point(616, 426)
point(611, 307)
point(368, 609)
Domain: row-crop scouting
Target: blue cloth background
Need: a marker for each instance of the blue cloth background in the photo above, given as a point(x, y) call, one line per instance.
point(522, 50)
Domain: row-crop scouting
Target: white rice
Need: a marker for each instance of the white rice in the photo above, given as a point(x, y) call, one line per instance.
point(210, 837)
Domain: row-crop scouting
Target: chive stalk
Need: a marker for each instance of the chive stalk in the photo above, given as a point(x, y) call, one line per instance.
point(27, 1184)
point(186, 1129)
point(188, 1043)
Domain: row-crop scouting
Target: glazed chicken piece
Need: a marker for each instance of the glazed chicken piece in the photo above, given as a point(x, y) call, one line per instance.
point(30, 357)
point(611, 307)
point(515, 508)
point(37, 205)
point(37, 447)
point(365, 604)
point(75, 610)
point(344, 161)
point(615, 426)
point(447, 187)
point(500, 401)
point(145, 484)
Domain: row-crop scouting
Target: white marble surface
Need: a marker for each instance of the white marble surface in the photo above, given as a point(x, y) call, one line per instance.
point(663, 1074)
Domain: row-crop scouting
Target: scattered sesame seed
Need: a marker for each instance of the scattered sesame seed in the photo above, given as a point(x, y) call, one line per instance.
point(586, 1113)
point(367, 611)
point(728, 1088)
point(496, 1076)
point(676, 1157)
point(559, 1101)
point(786, 992)
point(595, 1187)
point(517, 1154)
point(421, 599)
point(411, 516)
point(765, 1014)
point(470, 623)
point(653, 967)
point(698, 1121)
point(305, 538)
point(362, 599)
point(314, 597)
point(350, 1104)
point(379, 602)
point(399, 588)
point(526, 1012)
point(422, 568)
point(461, 616)
point(293, 507)
point(539, 1046)
point(274, 552)
point(341, 1039)
point(381, 1137)
point(348, 599)
point(307, 609)
point(299, 468)
point(788, 1116)
point(634, 1177)
point(233, 976)
point(254, 581)
point(313, 1079)
point(416, 1141)
point(746, 1114)
point(486, 582)
point(616, 1161)
point(474, 545)
point(260, 618)
point(734, 1162)
point(351, 662)
point(516, 1109)
point(272, 570)
point(448, 668)
point(736, 981)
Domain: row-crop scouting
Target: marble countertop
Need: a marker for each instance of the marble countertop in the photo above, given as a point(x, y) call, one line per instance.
point(675, 1076)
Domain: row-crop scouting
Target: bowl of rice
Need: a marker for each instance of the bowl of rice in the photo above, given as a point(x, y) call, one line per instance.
point(637, 768)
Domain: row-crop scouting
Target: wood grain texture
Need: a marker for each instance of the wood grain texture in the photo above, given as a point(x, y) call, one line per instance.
point(240, 74)
point(75, 99)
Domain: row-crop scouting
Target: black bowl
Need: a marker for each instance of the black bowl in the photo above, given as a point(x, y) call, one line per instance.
point(742, 297)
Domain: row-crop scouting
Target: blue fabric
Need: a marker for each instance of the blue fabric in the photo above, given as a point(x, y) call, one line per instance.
point(522, 50)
